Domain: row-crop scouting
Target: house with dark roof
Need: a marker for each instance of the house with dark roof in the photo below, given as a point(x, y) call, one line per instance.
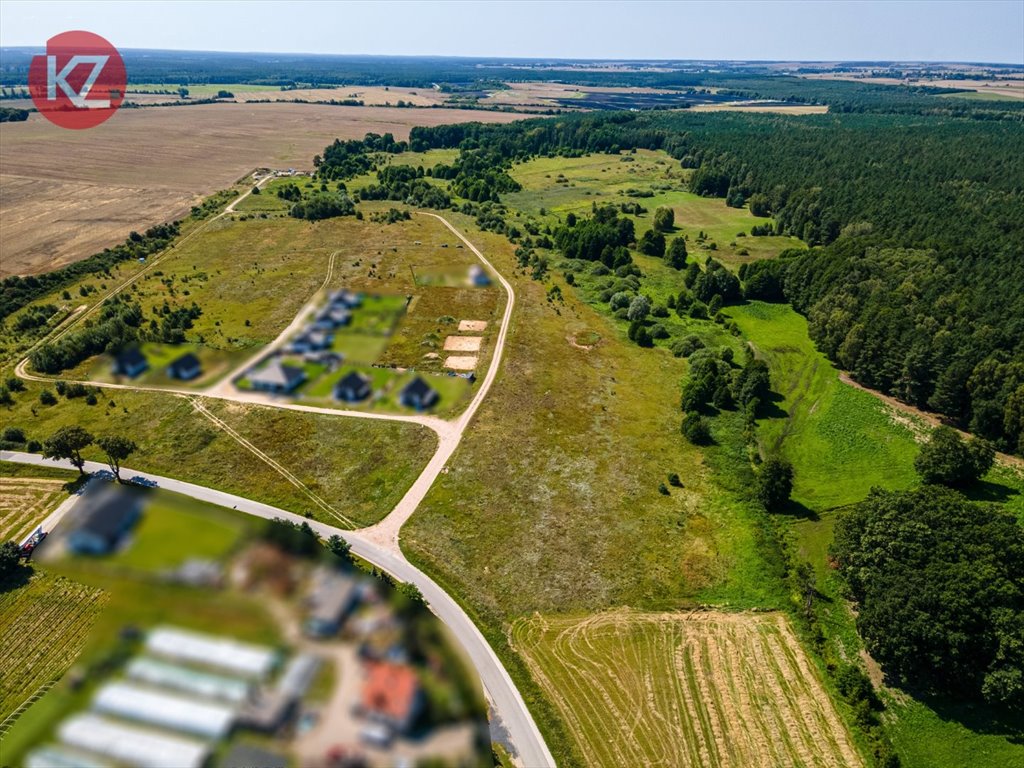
point(332, 317)
point(130, 362)
point(391, 695)
point(310, 340)
point(277, 377)
point(353, 387)
point(348, 299)
point(478, 276)
point(108, 515)
point(186, 367)
point(418, 394)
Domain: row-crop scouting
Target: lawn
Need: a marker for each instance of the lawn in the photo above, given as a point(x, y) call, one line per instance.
point(842, 441)
point(175, 528)
point(701, 689)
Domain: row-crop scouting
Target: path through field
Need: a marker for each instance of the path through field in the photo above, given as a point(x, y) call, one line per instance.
point(701, 690)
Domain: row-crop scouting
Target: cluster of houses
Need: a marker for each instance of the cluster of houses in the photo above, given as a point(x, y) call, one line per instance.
point(391, 697)
point(178, 700)
point(131, 362)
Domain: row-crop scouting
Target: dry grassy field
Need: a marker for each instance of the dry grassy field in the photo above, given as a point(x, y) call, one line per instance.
point(702, 689)
point(65, 195)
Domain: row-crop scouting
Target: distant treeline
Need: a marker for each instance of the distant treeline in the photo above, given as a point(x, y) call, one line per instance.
point(916, 280)
point(473, 75)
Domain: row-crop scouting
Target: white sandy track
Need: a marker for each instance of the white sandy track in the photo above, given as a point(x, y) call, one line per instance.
point(379, 543)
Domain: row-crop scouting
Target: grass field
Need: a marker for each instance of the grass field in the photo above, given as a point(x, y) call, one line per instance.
point(69, 194)
point(571, 185)
point(359, 467)
point(175, 528)
point(25, 502)
point(843, 441)
point(685, 689)
point(43, 627)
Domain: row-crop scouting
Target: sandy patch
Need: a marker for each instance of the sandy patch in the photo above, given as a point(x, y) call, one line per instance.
point(472, 325)
point(463, 343)
point(460, 362)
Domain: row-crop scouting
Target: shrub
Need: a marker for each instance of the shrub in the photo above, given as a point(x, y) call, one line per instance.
point(696, 429)
point(46, 397)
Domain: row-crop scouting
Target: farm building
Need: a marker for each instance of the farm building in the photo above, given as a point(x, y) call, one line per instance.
point(418, 394)
point(176, 677)
point(277, 377)
point(391, 695)
point(107, 516)
point(251, 661)
point(131, 745)
point(332, 597)
point(130, 362)
point(353, 387)
point(164, 710)
point(186, 367)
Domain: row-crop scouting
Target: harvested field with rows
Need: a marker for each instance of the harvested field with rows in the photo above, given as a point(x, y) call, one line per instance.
point(25, 502)
point(43, 627)
point(704, 689)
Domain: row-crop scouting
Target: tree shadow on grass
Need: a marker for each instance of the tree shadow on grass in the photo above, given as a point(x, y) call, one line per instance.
point(798, 511)
point(986, 490)
point(977, 716)
point(770, 407)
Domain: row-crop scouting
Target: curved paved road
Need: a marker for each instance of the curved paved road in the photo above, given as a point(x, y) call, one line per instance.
point(502, 692)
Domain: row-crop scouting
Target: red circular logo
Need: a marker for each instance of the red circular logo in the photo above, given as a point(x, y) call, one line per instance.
point(80, 82)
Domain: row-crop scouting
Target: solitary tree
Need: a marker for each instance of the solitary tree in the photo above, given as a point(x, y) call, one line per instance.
point(652, 243)
point(664, 219)
point(117, 449)
point(948, 459)
point(774, 484)
point(67, 443)
point(339, 547)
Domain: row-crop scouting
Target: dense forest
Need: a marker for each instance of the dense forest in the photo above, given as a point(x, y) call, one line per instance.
point(915, 281)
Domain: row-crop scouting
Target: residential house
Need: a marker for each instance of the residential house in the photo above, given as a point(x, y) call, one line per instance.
point(353, 387)
point(130, 362)
point(276, 377)
point(108, 515)
point(418, 394)
point(478, 276)
point(185, 368)
point(391, 695)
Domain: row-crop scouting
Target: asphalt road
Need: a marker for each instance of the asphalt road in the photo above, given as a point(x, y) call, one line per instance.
point(505, 699)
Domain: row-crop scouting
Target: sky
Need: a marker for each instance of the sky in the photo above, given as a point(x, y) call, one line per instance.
point(787, 30)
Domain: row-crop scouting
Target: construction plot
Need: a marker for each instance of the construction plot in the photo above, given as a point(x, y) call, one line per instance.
point(463, 343)
point(460, 362)
point(701, 689)
point(476, 326)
